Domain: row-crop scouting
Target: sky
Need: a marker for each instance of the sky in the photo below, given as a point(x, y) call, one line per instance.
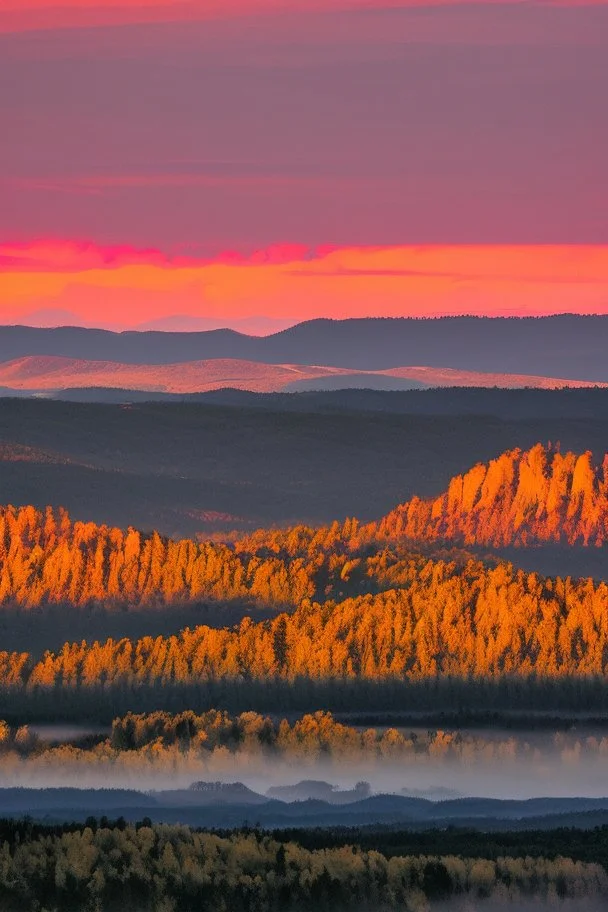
point(258, 162)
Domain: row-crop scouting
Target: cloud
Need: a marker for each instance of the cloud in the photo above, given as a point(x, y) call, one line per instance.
point(122, 285)
point(65, 256)
point(73, 256)
point(32, 15)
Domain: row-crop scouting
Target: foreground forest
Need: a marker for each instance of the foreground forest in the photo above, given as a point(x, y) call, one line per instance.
point(102, 868)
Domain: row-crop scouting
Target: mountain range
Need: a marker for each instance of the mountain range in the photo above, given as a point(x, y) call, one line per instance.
point(171, 807)
point(564, 346)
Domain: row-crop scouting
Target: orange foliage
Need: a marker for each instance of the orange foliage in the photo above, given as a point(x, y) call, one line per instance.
point(47, 559)
point(362, 606)
point(520, 498)
point(437, 620)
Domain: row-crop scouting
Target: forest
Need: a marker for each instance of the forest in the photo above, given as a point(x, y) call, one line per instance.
point(105, 867)
point(478, 623)
point(378, 609)
point(588, 845)
point(263, 637)
point(520, 498)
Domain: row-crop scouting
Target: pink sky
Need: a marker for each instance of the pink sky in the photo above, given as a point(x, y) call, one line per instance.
point(28, 15)
point(451, 155)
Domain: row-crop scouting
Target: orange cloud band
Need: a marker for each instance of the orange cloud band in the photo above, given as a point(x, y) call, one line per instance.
point(123, 286)
point(28, 15)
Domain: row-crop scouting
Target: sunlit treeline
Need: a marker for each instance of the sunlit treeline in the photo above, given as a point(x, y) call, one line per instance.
point(473, 624)
point(520, 498)
point(98, 868)
point(537, 496)
point(45, 558)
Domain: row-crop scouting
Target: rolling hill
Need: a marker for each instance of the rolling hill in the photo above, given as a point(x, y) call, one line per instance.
point(55, 373)
point(38, 373)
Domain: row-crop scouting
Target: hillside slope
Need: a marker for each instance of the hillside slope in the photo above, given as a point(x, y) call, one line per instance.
point(191, 468)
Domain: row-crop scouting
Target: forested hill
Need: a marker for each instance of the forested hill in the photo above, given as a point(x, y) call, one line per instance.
point(430, 622)
point(521, 498)
point(567, 346)
point(359, 603)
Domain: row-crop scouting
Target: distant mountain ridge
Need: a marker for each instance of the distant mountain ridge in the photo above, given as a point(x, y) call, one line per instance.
point(415, 813)
point(567, 346)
